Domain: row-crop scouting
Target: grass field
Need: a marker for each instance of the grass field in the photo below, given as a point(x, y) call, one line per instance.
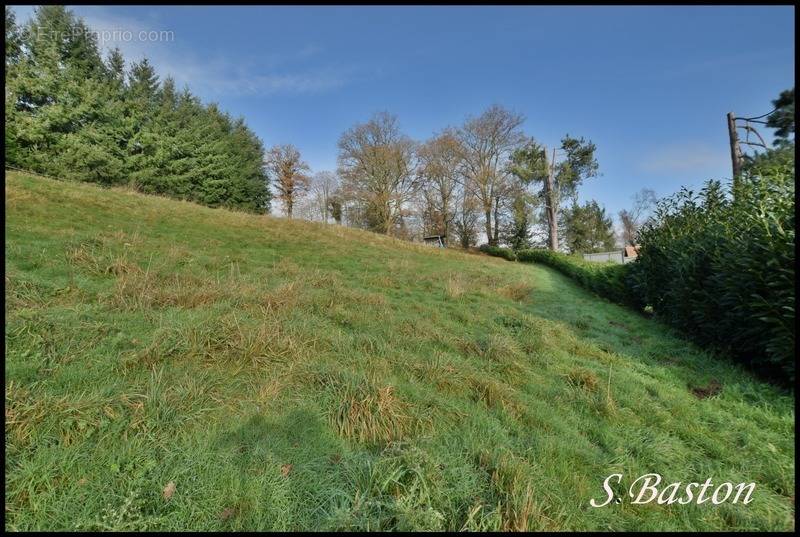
point(172, 367)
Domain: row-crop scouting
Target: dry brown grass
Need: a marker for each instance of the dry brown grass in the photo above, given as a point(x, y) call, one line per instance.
point(141, 290)
point(23, 413)
point(494, 394)
point(236, 341)
point(286, 267)
point(284, 296)
point(255, 344)
point(166, 342)
point(582, 378)
point(511, 480)
point(144, 289)
point(106, 253)
point(321, 279)
point(398, 265)
point(370, 413)
point(446, 376)
point(21, 293)
point(518, 292)
point(180, 254)
point(498, 348)
point(88, 256)
point(26, 412)
point(344, 295)
point(455, 286)
point(268, 391)
point(16, 196)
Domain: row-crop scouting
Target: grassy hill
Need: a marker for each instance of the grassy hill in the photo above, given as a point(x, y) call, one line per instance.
point(170, 366)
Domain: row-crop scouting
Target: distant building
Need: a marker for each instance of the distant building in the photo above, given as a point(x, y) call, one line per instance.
point(434, 240)
point(630, 253)
point(625, 255)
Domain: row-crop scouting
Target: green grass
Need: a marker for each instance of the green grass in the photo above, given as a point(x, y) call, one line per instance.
point(286, 375)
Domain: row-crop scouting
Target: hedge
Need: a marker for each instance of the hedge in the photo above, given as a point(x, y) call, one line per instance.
point(717, 265)
point(608, 280)
point(498, 251)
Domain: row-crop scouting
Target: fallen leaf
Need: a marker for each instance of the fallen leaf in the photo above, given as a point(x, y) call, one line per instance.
point(285, 469)
point(82, 481)
point(169, 490)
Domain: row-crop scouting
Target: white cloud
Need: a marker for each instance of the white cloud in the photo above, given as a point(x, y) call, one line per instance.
point(211, 77)
point(219, 77)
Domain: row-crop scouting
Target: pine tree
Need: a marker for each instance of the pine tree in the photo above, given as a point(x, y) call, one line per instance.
point(588, 228)
point(517, 233)
point(71, 115)
point(115, 68)
point(75, 44)
point(13, 40)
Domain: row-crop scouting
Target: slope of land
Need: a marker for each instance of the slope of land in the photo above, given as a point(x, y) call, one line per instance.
point(170, 366)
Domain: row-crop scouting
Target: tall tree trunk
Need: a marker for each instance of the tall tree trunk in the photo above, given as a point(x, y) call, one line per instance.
point(552, 223)
point(736, 150)
point(289, 207)
point(496, 220)
point(388, 217)
point(552, 218)
point(488, 224)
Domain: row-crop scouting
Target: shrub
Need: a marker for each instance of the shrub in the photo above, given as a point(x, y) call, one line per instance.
point(719, 266)
point(498, 251)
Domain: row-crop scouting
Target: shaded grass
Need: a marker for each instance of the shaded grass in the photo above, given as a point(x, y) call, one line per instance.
point(150, 341)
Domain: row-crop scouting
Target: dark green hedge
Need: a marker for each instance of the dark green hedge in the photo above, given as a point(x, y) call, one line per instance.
point(716, 265)
point(498, 251)
point(608, 280)
point(719, 266)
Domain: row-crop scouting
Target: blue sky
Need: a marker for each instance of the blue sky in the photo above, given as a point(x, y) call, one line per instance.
point(649, 85)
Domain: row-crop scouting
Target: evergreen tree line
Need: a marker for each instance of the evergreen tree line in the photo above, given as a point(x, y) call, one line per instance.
point(73, 114)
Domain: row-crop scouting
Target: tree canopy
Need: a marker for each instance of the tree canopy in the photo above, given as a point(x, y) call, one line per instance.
point(782, 120)
point(74, 115)
point(588, 228)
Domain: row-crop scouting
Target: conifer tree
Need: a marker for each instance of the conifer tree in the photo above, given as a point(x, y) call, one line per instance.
point(71, 115)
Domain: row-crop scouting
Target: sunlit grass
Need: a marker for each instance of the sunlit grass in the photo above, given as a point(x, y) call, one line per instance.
point(288, 375)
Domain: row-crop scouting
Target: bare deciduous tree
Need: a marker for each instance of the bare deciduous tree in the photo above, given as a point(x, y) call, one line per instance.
point(488, 141)
point(289, 174)
point(440, 165)
point(467, 212)
point(377, 168)
point(631, 220)
point(323, 186)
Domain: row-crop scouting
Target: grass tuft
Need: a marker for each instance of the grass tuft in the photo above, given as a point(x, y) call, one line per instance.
point(370, 413)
